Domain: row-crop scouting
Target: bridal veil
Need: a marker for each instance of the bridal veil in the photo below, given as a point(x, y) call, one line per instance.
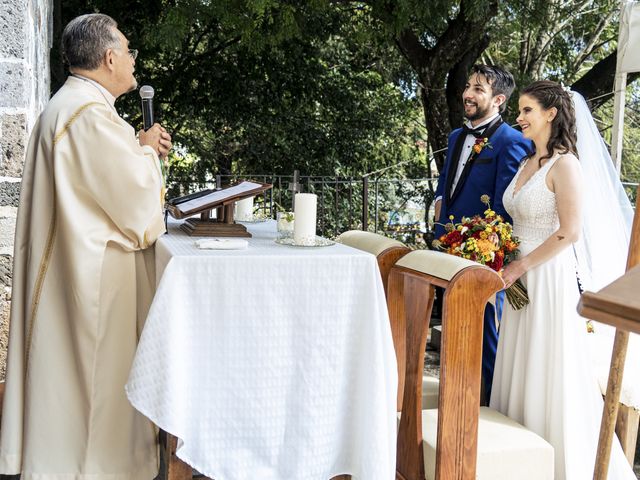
point(602, 249)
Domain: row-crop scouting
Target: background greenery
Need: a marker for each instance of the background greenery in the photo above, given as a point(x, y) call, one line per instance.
point(343, 88)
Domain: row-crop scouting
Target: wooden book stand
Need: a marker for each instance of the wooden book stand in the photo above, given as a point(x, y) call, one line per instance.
point(469, 286)
point(222, 200)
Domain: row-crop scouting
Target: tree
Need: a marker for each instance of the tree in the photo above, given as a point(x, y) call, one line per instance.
point(255, 96)
point(569, 41)
point(238, 89)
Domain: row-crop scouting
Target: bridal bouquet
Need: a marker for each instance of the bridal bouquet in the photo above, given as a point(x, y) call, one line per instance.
point(487, 240)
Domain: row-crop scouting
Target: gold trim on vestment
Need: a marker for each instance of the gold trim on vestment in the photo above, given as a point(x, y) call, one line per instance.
point(73, 118)
point(46, 257)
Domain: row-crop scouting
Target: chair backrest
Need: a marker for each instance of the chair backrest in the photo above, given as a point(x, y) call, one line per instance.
point(386, 250)
point(410, 300)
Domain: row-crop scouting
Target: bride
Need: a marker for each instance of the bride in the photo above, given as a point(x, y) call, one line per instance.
point(543, 377)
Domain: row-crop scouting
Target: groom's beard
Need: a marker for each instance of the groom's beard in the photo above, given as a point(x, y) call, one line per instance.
point(479, 114)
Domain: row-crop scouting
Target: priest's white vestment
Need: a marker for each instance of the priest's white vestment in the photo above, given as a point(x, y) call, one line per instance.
point(90, 208)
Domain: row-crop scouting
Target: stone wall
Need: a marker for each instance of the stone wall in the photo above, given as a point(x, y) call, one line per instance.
point(25, 41)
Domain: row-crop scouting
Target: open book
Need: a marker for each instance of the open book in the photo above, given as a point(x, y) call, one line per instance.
point(205, 200)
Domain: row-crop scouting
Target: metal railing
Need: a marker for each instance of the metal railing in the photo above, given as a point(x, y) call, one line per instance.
point(398, 207)
point(343, 203)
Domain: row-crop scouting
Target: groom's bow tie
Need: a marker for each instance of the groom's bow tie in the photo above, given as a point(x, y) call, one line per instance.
point(476, 132)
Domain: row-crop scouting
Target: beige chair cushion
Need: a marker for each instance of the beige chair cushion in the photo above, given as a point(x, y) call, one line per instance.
point(506, 449)
point(368, 241)
point(437, 264)
point(430, 390)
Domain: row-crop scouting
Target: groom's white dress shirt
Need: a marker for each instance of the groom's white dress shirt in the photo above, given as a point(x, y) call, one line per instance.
point(465, 153)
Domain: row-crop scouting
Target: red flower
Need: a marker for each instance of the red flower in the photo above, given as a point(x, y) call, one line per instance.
point(497, 262)
point(454, 237)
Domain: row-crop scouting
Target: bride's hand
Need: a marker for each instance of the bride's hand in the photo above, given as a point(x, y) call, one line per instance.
point(513, 272)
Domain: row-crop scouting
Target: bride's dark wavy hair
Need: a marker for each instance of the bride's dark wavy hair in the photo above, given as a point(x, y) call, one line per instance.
point(563, 127)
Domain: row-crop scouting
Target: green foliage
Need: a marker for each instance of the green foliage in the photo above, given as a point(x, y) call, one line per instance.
point(269, 86)
point(555, 40)
point(630, 171)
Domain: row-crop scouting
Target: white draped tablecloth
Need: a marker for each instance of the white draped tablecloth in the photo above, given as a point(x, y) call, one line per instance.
point(272, 362)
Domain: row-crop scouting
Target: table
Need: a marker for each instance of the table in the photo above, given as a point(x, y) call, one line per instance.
point(616, 304)
point(273, 362)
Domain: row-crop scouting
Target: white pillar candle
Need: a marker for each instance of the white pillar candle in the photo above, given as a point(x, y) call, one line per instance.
point(304, 228)
point(244, 209)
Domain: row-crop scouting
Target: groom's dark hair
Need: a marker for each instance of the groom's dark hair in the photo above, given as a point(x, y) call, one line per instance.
point(501, 81)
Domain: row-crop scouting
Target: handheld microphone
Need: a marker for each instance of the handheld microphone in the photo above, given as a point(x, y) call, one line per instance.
point(146, 94)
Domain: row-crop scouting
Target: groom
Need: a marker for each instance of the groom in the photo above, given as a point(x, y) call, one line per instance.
point(468, 174)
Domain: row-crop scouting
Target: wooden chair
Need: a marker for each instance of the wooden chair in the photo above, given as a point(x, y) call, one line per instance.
point(617, 304)
point(175, 468)
point(455, 446)
point(386, 250)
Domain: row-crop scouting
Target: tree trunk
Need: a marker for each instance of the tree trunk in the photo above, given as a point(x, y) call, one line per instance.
point(599, 80)
point(456, 50)
point(435, 106)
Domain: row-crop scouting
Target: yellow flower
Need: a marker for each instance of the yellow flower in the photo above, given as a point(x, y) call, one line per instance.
point(484, 198)
point(451, 217)
point(486, 247)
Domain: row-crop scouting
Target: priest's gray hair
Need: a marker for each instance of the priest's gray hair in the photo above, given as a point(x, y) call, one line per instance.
point(86, 39)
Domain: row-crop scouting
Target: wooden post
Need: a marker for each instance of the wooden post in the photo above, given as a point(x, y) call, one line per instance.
point(616, 370)
point(176, 469)
point(627, 430)
point(365, 203)
point(611, 401)
point(410, 299)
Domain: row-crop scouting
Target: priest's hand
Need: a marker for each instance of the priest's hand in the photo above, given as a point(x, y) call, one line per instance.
point(157, 138)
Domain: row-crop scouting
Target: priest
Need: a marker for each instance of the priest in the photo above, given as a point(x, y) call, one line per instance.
point(90, 211)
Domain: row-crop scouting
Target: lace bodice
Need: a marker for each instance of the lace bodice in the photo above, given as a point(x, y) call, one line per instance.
point(533, 207)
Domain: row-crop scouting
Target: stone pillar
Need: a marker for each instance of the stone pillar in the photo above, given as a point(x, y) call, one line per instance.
point(25, 41)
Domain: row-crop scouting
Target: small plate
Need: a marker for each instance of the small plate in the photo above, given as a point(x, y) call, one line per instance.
point(254, 220)
point(320, 242)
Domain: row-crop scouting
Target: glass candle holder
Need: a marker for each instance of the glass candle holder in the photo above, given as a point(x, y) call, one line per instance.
point(285, 221)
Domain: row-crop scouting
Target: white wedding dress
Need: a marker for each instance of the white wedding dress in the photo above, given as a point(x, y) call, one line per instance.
point(543, 377)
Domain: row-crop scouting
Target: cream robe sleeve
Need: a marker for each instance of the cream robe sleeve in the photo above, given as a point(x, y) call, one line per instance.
point(114, 171)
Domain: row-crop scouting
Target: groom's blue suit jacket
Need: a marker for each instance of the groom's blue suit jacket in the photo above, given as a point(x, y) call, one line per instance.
point(489, 173)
